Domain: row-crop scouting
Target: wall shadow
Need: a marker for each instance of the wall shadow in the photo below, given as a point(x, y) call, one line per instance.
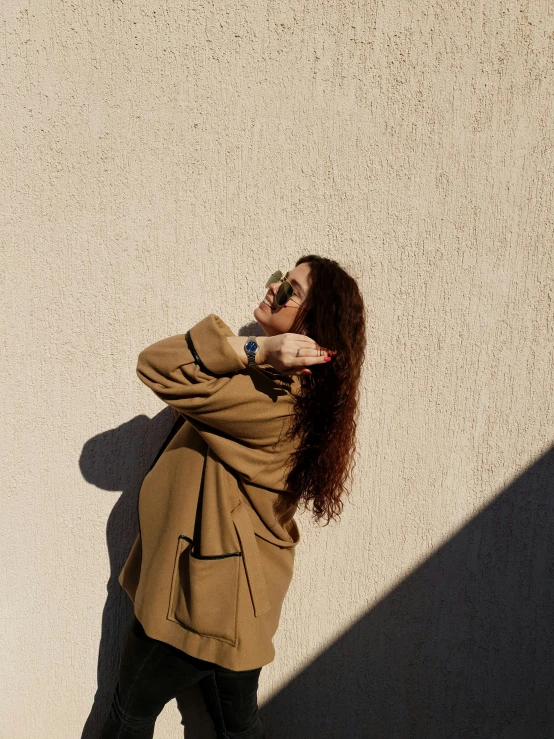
point(463, 647)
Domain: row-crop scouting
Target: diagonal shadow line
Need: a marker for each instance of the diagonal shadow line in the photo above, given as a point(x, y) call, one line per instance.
point(463, 647)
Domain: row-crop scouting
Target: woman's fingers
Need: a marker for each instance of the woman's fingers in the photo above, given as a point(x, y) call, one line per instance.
point(314, 346)
point(315, 359)
point(307, 345)
point(302, 364)
point(305, 352)
point(318, 351)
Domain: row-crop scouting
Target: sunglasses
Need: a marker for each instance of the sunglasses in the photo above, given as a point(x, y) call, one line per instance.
point(285, 291)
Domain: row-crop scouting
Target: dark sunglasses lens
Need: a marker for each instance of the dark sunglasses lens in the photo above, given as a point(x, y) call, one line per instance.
point(275, 277)
point(284, 294)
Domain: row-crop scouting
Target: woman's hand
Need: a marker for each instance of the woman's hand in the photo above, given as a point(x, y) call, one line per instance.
point(280, 351)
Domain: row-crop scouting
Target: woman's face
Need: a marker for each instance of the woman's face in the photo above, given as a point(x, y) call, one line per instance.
point(279, 319)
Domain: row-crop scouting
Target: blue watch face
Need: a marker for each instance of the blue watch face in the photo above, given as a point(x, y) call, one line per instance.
point(251, 346)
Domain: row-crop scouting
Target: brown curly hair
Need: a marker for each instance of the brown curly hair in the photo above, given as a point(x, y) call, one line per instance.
point(326, 407)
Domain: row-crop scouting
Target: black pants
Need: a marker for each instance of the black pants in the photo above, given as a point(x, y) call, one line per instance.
point(152, 672)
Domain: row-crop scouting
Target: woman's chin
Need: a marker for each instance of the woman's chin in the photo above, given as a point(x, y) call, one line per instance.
point(259, 313)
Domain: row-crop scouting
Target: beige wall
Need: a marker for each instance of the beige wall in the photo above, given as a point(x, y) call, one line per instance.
point(160, 160)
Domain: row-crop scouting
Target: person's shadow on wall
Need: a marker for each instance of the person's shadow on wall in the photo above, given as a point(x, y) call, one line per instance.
point(118, 460)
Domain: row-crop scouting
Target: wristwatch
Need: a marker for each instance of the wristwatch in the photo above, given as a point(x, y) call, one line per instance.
point(251, 348)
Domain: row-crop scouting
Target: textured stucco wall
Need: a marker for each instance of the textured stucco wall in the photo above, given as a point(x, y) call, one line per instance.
point(159, 160)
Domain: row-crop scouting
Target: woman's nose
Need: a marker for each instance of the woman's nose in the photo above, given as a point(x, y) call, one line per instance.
point(274, 288)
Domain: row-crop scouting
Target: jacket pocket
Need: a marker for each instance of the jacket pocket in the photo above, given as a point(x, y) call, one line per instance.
point(204, 591)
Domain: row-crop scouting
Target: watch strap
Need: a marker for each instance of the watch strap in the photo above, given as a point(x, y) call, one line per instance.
point(251, 356)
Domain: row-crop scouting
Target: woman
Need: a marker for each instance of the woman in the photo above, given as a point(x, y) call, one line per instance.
point(263, 425)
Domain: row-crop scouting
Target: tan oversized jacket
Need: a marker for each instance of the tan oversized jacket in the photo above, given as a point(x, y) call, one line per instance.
point(211, 566)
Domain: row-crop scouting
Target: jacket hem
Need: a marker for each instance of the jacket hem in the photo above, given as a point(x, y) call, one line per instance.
point(201, 647)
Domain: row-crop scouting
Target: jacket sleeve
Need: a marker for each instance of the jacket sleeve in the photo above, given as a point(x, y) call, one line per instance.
point(240, 419)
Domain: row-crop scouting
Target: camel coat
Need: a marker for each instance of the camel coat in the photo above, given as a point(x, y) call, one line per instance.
point(211, 565)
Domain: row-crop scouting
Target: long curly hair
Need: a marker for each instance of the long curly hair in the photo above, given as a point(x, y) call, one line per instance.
point(324, 421)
